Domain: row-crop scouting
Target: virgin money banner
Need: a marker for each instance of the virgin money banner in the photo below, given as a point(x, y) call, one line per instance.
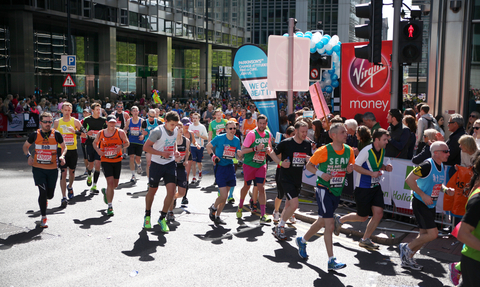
point(16, 125)
point(395, 189)
point(250, 64)
point(365, 87)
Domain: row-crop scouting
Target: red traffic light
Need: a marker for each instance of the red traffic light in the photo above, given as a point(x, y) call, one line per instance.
point(411, 31)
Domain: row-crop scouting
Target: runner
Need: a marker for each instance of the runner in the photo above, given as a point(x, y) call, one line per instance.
point(226, 146)
point(93, 124)
point(69, 127)
point(426, 180)
point(44, 161)
point(83, 136)
point(256, 146)
point(163, 147)
point(216, 126)
point(200, 133)
point(109, 144)
point(368, 191)
point(193, 146)
point(135, 137)
point(183, 146)
point(298, 150)
point(122, 118)
point(335, 160)
point(147, 126)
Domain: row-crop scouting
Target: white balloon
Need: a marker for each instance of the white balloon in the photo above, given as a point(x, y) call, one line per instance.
point(334, 56)
point(325, 74)
point(322, 84)
point(312, 45)
point(328, 81)
point(335, 39)
point(316, 37)
point(328, 47)
point(321, 51)
point(337, 72)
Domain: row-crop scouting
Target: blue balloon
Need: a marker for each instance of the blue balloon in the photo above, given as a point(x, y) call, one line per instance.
point(336, 48)
point(285, 35)
point(331, 72)
point(334, 77)
point(325, 40)
point(313, 50)
point(308, 34)
point(339, 43)
point(329, 52)
point(327, 36)
point(299, 34)
point(328, 89)
point(319, 45)
point(335, 84)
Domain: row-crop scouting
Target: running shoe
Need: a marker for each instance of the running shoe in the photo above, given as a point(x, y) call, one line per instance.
point(89, 180)
point(415, 261)
point(251, 203)
point(133, 179)
point(334, 265)
point(184, 200)
point(94, 189)
point(110, 211)
point(64, 202)
point(403, 249)
point(211, 213)
point(293, 220)
point(411, 264)
point(104, 191)
point(265, 219)
point(199, 175)
point(454, 274)
point(194, 180)
point(337, 224)
point(43, 223)
point(170, 216)
point(231, 200)
point(139, 169)
point(254, 208)
point(70, 192)
point(276, 216)
point(302, 247)
point(368, 244)
point(239, 212)
point(147, 223)
point(280, 232)
point(163, 225)
point(219, 221)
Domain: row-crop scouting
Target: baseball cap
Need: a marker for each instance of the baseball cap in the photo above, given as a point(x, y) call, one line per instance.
point(186, 121)
point(108, 105)
point(233, 120)
point(111, 118)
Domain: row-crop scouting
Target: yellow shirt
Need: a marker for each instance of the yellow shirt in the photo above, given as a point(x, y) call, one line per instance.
point(69, 138)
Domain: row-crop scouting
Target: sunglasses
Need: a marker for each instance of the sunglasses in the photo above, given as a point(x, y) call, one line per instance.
point(476, 128)
point(444, 151)
point(47, 122)
point(231, 128)
point(473, 116)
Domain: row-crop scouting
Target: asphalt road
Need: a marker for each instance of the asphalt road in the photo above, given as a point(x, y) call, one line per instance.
point(84, 247)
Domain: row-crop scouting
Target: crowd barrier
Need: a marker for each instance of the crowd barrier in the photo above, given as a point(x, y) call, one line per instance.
point(397, 195)
point(25, 121)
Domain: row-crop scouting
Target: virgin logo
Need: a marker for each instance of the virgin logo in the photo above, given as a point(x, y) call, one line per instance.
point(368, 78)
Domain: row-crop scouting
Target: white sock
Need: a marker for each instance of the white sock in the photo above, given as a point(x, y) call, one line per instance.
point(282, 223)
point(133, 172)
point(303, 240)
point(330, 258)
point(110, 205)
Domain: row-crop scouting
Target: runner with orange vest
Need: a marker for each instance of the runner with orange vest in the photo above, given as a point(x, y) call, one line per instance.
point(109, 144)
point(44, 161)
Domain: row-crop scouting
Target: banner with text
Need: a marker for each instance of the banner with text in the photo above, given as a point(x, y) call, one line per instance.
point(250, 64)
point(366, 87)
point(16, 125)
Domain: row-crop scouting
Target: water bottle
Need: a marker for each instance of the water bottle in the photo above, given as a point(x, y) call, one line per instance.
point(287, 159)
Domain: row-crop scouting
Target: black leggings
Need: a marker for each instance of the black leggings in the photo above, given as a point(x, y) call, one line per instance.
point(42, 198)
point(46, 180)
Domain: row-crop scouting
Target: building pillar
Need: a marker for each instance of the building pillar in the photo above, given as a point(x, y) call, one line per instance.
point(21, 53)
point(180, 76)
point(164, 76)
point(236, 83)
point(107, 58)
point(141, 76)
point(205, 76)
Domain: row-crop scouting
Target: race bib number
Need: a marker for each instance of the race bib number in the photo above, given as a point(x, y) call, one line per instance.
point(229, 152)
point(219, 131)
point(68, 139)
point(338, 177)
point(196, 133)
point(299, 159)
point(182, 155)
point(94, 135)
point(118, 124)
point(135, 131)
point(375, 181)
point(259, 157)
point(168, 149)
point(436, 191)
point(110, 152)
point(44, 156)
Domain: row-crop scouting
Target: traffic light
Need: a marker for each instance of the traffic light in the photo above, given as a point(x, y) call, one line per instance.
point(371, 31)
point(410, 43)
point(317, 63)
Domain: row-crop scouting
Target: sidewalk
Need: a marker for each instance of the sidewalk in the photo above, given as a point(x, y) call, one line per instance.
point(388, 232)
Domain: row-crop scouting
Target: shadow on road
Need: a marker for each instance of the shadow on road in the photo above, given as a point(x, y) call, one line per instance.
point(127, 184)
point(20, 238)
point(87, 223)
point(216, 235)
point(143, 247)
point(55, 210)
point(81, 197)
point(251, 233)
point(137, 194)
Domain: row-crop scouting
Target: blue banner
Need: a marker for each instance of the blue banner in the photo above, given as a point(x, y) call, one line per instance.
point(250, 64)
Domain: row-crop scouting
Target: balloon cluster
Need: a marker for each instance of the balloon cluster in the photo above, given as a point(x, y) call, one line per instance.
point(325, 45)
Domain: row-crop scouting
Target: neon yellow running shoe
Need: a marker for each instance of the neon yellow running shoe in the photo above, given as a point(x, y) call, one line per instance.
point(239, 212)
point(147, 223)
point(163, 225)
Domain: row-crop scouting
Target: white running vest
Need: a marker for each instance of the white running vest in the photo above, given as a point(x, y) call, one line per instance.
point(165, 143)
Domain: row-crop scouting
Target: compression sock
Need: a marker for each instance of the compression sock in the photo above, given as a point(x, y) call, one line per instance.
point(240, 204)
point(148, 212)
point(231, 191)
point(96, 174)
point(163, 215)
point(262, 209)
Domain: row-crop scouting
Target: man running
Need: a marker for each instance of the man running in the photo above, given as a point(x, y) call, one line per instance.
point(426, 181)
point(83, 137)
point(200, 133)
point(298, 150)
point(135, 137)
point(216, 126)
point(122, 117)
point(226, 146)
point(68, 127)
point(44, 161)
point(162, 145)
point(368, 192)
point(93, 124)
point(335, 160)
point(256, 146)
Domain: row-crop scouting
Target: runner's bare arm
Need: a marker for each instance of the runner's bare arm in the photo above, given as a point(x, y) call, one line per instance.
point(124, 138)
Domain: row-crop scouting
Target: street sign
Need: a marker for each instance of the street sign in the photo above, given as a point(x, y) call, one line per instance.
point(227, 71)
point(278, 63)
point(406, 89)
point(115, 90)
point(69, 64)
point(314, 74)
point(69, 82)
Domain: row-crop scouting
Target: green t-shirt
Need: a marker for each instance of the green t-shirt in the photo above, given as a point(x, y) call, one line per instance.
point(469, 251)
point(258, 158)
point(217, 128)
point(336, 165)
